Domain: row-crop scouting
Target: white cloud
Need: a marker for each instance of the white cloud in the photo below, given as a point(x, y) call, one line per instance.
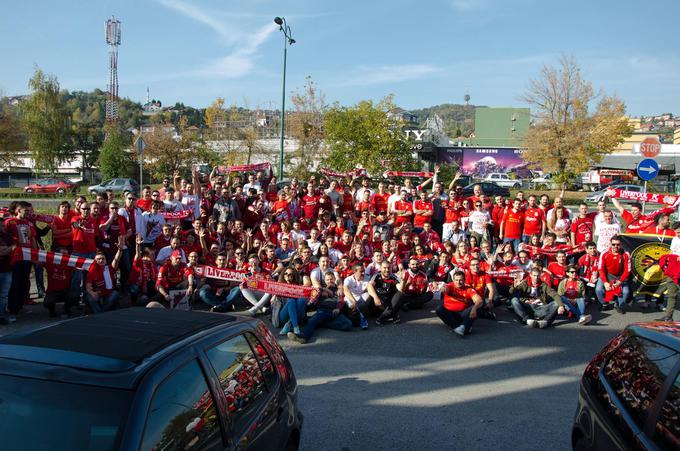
point(388, 74)
point(194, 12)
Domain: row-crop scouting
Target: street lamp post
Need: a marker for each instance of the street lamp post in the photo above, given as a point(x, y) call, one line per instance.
point(287, 40)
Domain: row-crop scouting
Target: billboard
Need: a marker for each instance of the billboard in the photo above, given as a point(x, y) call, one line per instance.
point(480, 161)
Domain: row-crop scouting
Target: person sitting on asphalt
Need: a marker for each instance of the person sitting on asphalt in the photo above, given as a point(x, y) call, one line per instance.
point(214, 292)
point(460, 305)
point(328, 312)
point(614, 268)
point(58, 287)
point(100, 282)
point(573, 290)
point(411, 292)
point(534, 302)
point(382, 288)
point(174, 275)
point(358, 301)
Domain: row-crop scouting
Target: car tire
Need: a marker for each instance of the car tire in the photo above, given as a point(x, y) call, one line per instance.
point(29, 191)
point(292, 444)
point(61, 191)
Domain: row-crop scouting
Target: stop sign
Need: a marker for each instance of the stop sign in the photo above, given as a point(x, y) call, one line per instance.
point(650, 147)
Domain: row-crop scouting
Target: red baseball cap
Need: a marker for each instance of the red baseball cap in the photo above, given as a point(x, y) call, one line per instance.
point(176, 253)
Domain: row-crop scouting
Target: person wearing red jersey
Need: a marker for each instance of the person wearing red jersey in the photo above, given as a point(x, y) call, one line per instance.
point(62, 236)
point(497, 213)
point(480, 281)
point(506, 272)
point(58, 286)
point(363, 205)
point(588, 270)
point(174, 275)
point(479, 196)
point(461, 302)
point(100, 284)
point(402, 209)
point(558, 204)
point(512, 224)
point(145, 201)
point(142, 281)
point(558, 269)
point(84, 231)
point(345, 243)
point(111, 229)
point(582, 226)
point(422, 210)
point(662, 227)
point(310, 204)
point(379, 201)
point(572, 290)
point(614, 268)
point(452, 210)
point(23, 234)
point(164, 238)
point(429, 237)
point(534, 220)
point(411, 293)
point(636, 222)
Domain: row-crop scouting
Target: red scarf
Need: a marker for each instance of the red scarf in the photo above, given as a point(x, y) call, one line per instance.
point(282, 289)
point(407, 174)
point(51, 258)
point(667, 199)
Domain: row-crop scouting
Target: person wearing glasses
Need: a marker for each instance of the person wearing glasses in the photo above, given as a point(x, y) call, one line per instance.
point(573, 291)
point(111, 229)
point(152, 223)
point(84, 232)
point(479, 221)
point(614, 268)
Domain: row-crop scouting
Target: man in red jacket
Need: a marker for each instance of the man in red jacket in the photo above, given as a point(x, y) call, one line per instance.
point(459, 309)
point(614, 268)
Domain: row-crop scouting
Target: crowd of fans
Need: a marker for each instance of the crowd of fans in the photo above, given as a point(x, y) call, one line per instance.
point(369, 250)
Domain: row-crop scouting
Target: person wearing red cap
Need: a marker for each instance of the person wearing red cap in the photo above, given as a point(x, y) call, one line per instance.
point(174, 275)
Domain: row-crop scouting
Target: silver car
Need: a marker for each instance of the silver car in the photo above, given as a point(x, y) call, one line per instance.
point(599, 195)
point(116, 185)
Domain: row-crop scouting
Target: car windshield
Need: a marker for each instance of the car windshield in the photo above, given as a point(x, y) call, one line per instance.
point(41, 414)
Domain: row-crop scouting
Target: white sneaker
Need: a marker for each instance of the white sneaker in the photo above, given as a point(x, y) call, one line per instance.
point(531, 322)
point(542, 324)
point(584, 319)
point(460, 331)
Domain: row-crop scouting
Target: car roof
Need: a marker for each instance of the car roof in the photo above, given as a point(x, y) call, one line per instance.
point(662, 332)
point(117, 341)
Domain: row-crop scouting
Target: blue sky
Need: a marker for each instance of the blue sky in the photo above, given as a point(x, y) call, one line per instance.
point(425, 53)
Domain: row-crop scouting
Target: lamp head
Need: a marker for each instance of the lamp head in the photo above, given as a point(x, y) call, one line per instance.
point(278, 21)
point(291, 41)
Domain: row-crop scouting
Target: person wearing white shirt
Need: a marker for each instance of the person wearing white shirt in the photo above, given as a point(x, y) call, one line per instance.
point(317, 275)
point(357, 298)
point(607, 230)
point(152, 224)
point(675, 242)
point(165, 252)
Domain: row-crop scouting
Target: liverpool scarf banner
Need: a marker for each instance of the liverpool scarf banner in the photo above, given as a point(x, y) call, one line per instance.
point(407, 174)
point(248, 167)
point(569, 250)
point(357, 172)
point(645, 252)
point(668, 199)
point(170, 215)
point(210, 272)
point(285, 290)
point(51, 258)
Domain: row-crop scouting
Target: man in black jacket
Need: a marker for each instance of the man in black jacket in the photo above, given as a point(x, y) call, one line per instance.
point(534, 301)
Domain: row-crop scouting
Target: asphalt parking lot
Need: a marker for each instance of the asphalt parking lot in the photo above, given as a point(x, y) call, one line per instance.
point(419, 386)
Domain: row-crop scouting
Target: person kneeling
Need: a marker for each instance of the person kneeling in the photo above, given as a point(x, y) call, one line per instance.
point(534, 301)
point(460, 304)
point(100, 290)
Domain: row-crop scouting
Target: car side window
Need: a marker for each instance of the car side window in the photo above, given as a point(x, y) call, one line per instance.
point(182, 415)
point(241, 380)
point(636, 372)
point(266, 365)
point(668, 423)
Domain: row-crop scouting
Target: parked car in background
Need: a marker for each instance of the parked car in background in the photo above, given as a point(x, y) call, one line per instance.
point(503, 180)
point(116, 185)
point(490, 189)
point(51, 186)
point(629, 398)
point(548, 182)
point(597, 196)
point(148, 379)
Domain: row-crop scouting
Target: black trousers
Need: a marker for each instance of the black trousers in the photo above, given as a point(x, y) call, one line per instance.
point(400, 299)
point(53, 297)
point(21, 285)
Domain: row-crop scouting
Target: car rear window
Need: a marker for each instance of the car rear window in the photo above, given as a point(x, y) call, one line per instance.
point(39, 414)
point(636, 372)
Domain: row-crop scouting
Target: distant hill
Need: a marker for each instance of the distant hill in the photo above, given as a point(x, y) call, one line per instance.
point(459, 120)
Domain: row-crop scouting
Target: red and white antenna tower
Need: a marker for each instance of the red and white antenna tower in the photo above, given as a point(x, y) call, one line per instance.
point(113, 40)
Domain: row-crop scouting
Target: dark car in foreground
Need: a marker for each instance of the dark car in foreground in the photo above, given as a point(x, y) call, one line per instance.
point(50, 186)
point(148, 379)
point(629, 398)
point(489, 188)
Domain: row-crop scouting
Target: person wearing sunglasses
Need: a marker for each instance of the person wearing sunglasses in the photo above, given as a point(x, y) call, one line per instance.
point(615, 267)
point(573, 290)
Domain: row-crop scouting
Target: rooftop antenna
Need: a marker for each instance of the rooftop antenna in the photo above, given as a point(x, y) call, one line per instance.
point(113, 40)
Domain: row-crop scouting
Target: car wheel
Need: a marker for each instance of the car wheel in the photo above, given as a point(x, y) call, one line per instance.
point(61, 191)
point(293, 444)
point(516, 186)
point(93, 192)
point(29, 191)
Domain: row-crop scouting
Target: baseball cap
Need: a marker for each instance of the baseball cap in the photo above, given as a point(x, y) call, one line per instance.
point(176, 254)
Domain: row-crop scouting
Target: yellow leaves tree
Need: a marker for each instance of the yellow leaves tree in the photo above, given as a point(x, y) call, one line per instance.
point(307, 126)
point(567, 136)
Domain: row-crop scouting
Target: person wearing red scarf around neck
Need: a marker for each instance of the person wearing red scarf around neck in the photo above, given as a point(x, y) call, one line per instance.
point(662, 226)
point(572, 290)
point(100, 285)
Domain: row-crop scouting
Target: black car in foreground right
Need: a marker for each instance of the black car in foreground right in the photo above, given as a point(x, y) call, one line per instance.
point(629, 397)
point(148, 379)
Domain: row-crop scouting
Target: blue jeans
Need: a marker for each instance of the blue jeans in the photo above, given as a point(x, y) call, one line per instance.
point(527, 311)
point(324, 318)
point(79, 276)
point(104, 304)
point(455, 319)
point(576, 306)
point(207, 294)
point(293, 310)
point(599, 293)
point(5, 284)
point(125, 266)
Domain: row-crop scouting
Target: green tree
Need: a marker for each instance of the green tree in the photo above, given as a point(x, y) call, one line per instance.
point(45, 121)
point(11, 138)
point(365, 134)
point(114, 160)
point(572, 128)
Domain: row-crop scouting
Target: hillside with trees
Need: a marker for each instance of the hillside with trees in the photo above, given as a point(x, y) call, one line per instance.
point(459, 120)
